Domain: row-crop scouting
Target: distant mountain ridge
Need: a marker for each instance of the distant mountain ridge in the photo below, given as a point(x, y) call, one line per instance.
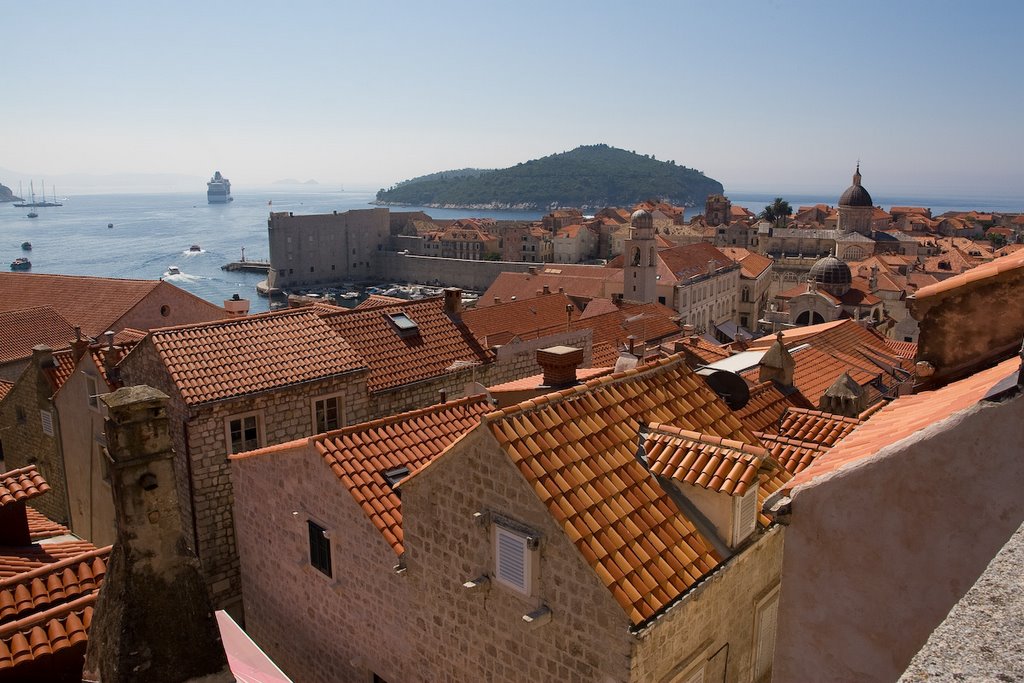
point(6, 195)
point(591, 176)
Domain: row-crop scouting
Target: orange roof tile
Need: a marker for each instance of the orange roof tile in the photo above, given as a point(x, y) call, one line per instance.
point(22, 329)
point(582, 281)
point(363, 454)
point(41, 527)
point(710, 462)
point(95, 303)
point(766, 406)
point(64, 367)
point(17, 560)
point(816, 426)
point(233, 357)
point(523, 319)
point(440, 344)
point(536, 381)
point(904, 417)
point(1003, 264)
point(46, 633)
point(792, 454)
point(21, 484)
point(41, 588)
point(577, 447)
point(702, 351)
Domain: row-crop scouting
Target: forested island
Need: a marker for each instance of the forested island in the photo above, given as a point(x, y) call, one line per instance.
point(591, 176)
point(7, 196)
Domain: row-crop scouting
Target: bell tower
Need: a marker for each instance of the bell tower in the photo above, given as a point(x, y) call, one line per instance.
point(640, 271)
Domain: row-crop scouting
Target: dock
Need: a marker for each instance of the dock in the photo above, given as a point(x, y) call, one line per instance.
point(247, 266)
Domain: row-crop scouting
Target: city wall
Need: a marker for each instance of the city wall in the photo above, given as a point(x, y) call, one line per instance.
point(474, 275)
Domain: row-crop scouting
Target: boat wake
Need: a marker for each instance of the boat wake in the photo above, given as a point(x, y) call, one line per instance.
point(183, 277)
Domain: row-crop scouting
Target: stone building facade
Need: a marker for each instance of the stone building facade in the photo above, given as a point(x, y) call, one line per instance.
point(325, 248)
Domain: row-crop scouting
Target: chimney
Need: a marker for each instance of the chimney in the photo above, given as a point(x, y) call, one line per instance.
point(561, 290)
point(631, 344)
point(79, 346)
point(532, 270)
point(453, 301)
point(844, 397)
point(42, 357)
point(110, 359)
point(497, 299)
point(151, 571)
point(442, 396)
point(711, 267)
point(14, 529)
point(777, 364)
point(236, 307)
point(559, 364)
point(678, 346)
point(689, 330)
point(546, 289)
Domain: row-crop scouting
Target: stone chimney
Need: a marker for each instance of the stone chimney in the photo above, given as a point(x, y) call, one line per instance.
point(42, 357)
point(78, 345)
point(236, 306)
point(111, 356)
point(453, 301)
point(153, 619)
point(844, 397)
point(532, 270)
point(559, 364)
point(497, 299)
point(546, 289)
point(777, 364)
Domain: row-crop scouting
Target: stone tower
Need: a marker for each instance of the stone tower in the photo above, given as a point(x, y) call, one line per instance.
point(153, 619)
point(640, 269)
point(717, 210)
point(855, 208)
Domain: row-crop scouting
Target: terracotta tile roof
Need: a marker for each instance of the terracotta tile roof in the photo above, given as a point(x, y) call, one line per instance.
point(815, 426)
point(577, 448)
point(535, 381)
point(362, 455)
point(62, 370)
point(46, 633)
point(582, 281)
point(129, 336)
point(766, 406)
point(816, 370)
point(438, 345)
point(44, 587)
point(710, 462)
point(701, 350)
point(21, 484)
point(598, 307)
point(523, 319)
point(902, 349)
point(22, 329)
point(41, 527)
point(20, 559)
point(904, 417)
point(375, 300)
point(792, 454)
point(681, 263)
point(1003, 264)
point(5, 388)
point(95, 303)
point(234, 357)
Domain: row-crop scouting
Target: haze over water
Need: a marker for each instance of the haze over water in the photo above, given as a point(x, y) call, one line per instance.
point(154, 231)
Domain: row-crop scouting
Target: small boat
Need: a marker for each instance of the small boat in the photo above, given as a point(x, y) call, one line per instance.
point(26, 246)
point(173, 270)
point(349, 296)
point(33, 214)
point(21, 263)
point(196, 247)
point(110, 225)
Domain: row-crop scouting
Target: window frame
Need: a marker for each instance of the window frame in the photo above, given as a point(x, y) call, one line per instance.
point(92, 391)
point(260, 436)
point(324, 552)
point(770, 600)
point(339, 397)
point(529, 548)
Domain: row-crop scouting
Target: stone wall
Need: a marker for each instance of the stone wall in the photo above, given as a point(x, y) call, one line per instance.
point(474, 275)
point(877, 554)
point(200, 440)
point(317, 629)
point(715, 622)
point(479, 635)
point(168, 305)
point(25, 443)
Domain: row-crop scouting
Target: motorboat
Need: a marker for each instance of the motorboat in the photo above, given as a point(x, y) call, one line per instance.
point(195, 247)
point(21, 263)
point(26, 246)
point(173, 270)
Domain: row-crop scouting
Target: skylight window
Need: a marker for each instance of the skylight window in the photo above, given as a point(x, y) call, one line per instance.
point(404, 323)
point(395, 475)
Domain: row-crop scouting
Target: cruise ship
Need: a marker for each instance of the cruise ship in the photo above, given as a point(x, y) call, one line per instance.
point(218, 190)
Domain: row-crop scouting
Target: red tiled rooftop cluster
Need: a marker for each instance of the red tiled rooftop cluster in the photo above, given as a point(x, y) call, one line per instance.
point(21, 484)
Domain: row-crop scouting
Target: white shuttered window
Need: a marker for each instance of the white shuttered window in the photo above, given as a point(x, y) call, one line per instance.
point(513, 564)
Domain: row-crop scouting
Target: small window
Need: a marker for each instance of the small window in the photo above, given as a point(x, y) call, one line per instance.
point(319, 548)
point(165, 310)
point(403, 322)
point(765, 619)
point(20, 416)
point(326, 414)
point(92, 392)
point(513, 560)
point(244, 433)
point(744, 516)
point(46, 417)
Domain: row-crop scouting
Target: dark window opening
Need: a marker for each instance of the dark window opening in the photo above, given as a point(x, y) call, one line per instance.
point(328, 414)
point(244, 434)
point(319, 549)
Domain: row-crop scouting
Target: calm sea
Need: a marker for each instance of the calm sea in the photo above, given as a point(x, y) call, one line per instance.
point(154, 231)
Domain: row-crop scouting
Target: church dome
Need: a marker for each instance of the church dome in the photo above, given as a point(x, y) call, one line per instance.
point(855, 194)
point(642, 219)
point(832, 275)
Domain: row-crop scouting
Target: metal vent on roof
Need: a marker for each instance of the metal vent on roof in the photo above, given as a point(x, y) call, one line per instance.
point(395, 475)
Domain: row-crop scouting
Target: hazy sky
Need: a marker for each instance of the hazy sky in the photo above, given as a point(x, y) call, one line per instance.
point(766, 95)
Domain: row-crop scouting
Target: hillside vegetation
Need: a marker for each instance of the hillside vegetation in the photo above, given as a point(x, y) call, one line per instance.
point(591, 176)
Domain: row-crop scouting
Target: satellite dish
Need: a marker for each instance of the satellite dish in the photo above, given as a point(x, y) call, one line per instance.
point(732, 388)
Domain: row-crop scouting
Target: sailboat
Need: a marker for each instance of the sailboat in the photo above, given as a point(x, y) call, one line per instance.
point(32, 189)
point(34, 203)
